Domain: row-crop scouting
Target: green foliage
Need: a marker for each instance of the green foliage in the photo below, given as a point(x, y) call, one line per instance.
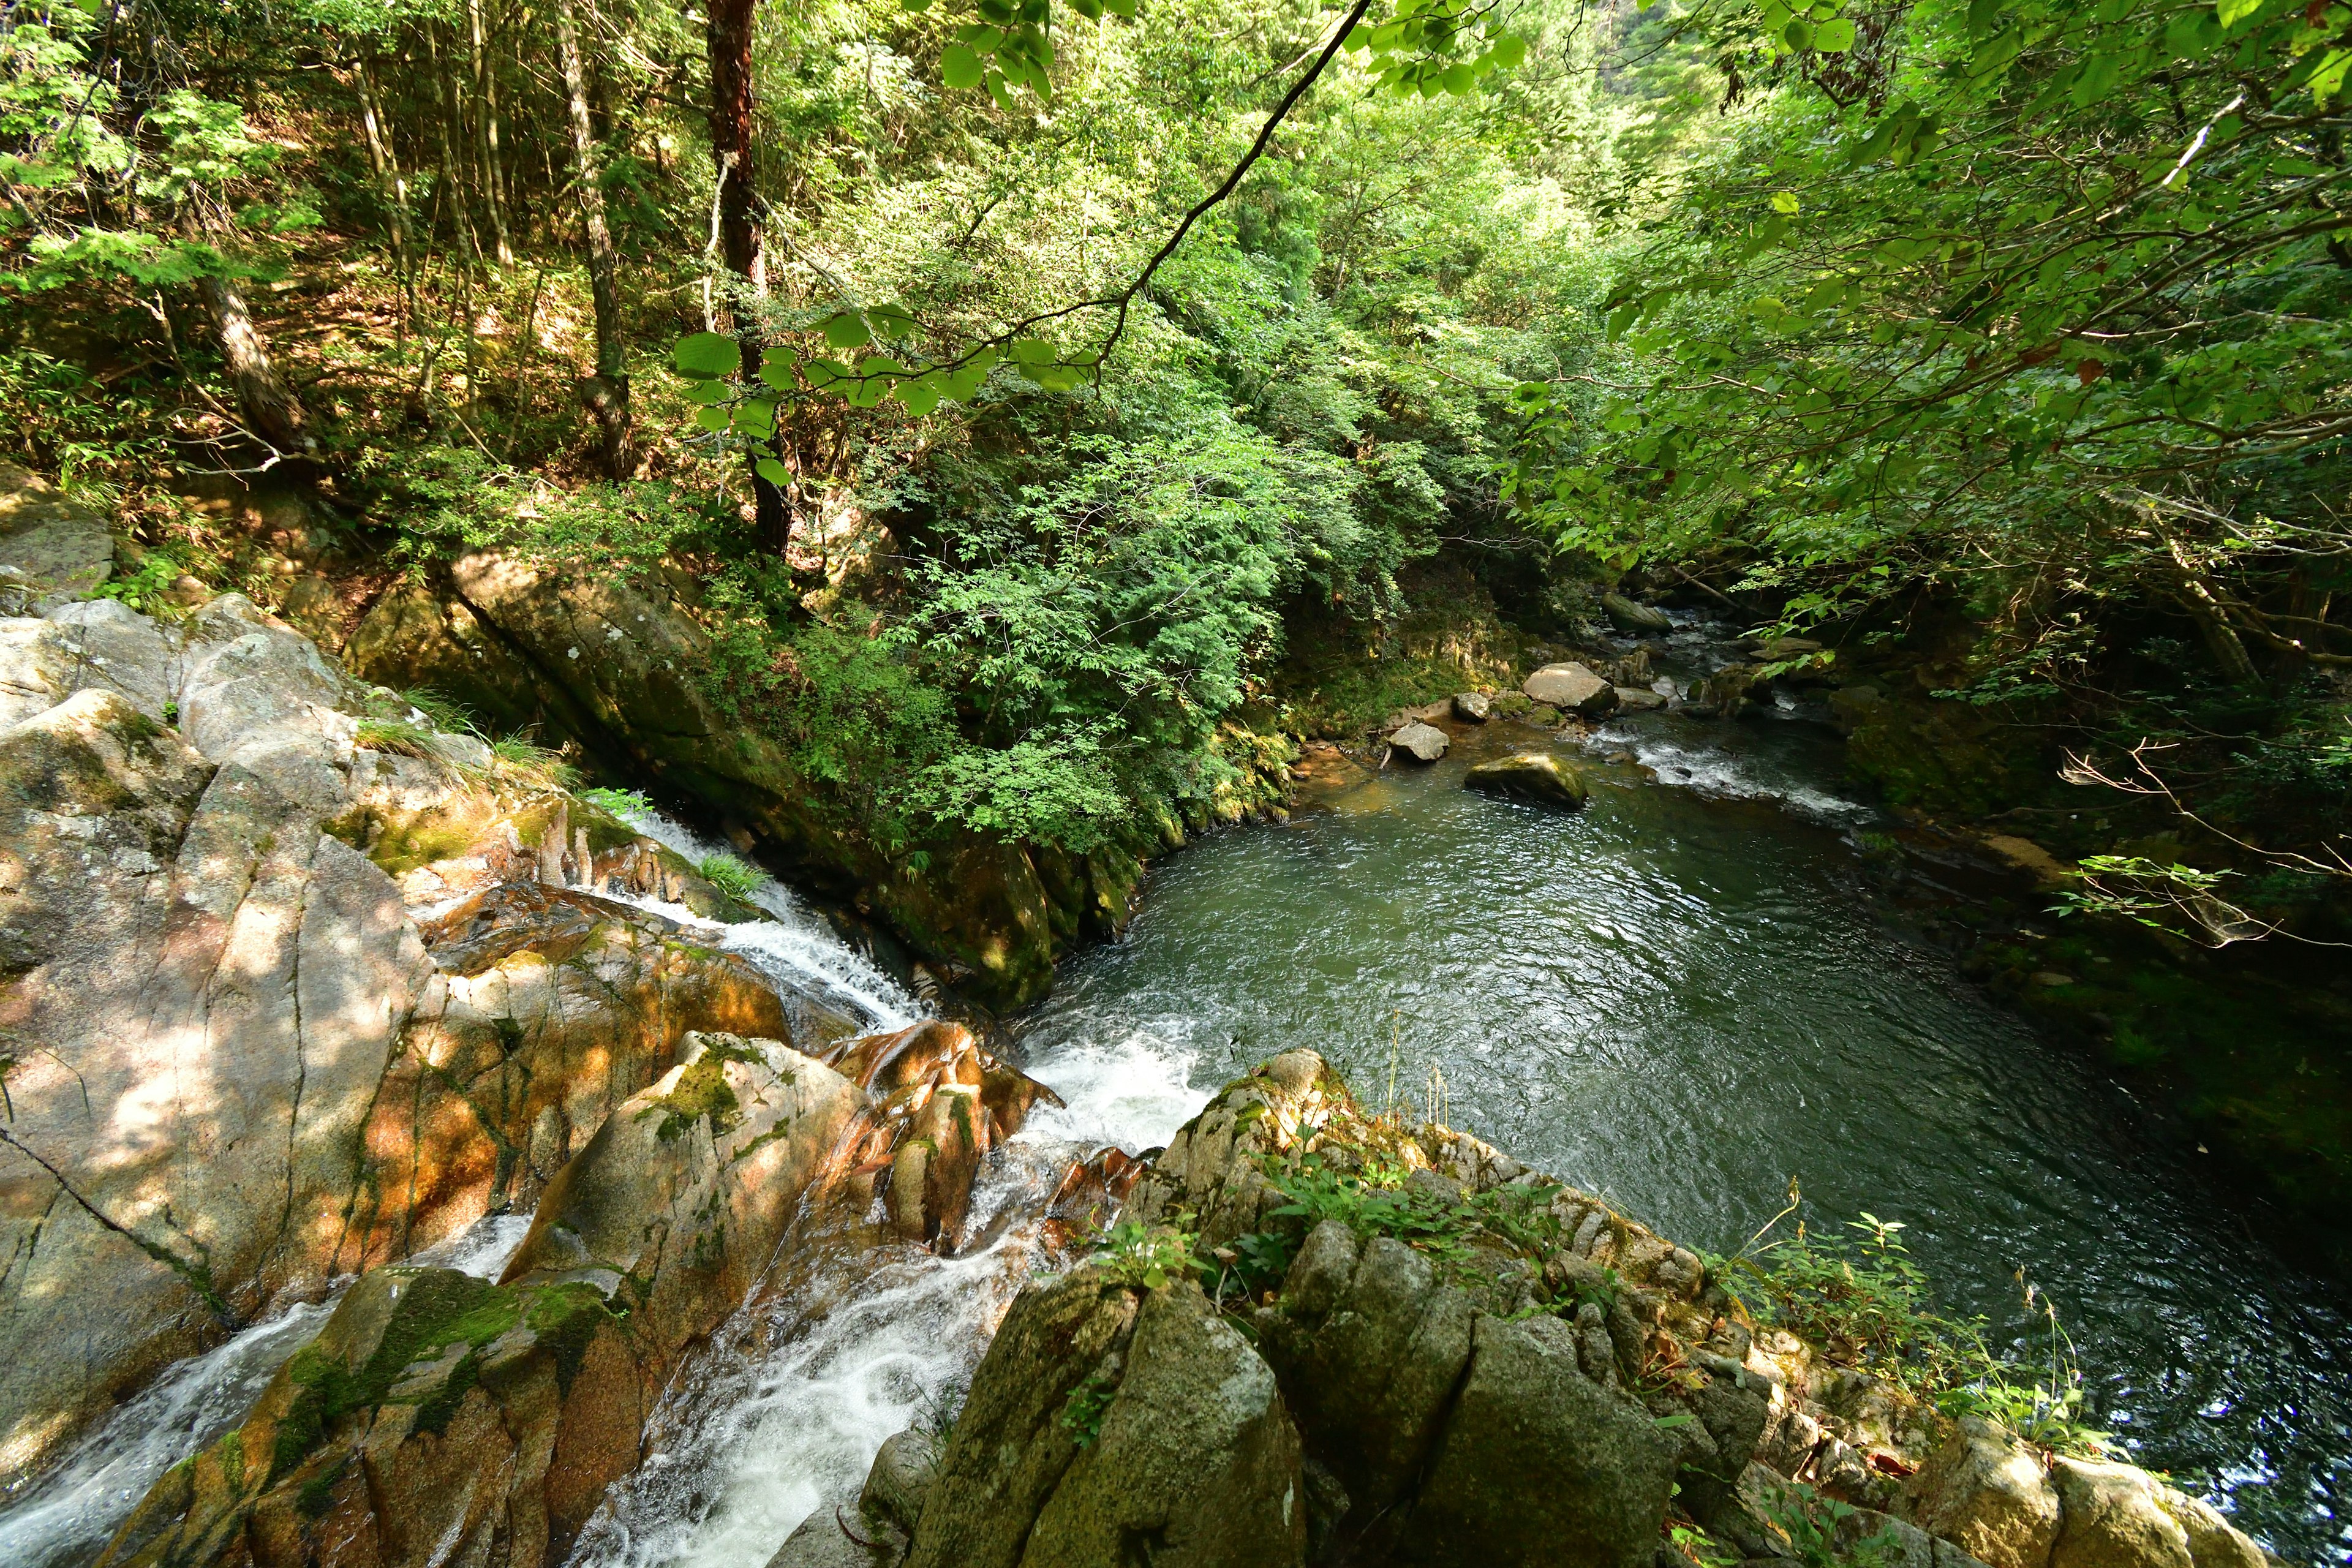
point(624, 804)
point(1145, 1256)
point(1810, 1522)
point(730, 874)
point(1862, 1302)
point(1083, 1412)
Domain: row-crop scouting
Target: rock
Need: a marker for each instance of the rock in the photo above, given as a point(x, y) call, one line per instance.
point(1638, 699)
point(178, 909)
point(2114, 1516)
point(1472, 707)
point(1196, 1454)
point(1210, 1168)
point(687, 1188)
point(1633, 617)
point(1729, 689)
point(1011, 1445)
point(823, 1540)
point(1987, 1492)
point(1531, 776)
point(1571, 687)
point(2214, 1540)
point(899, 1482)
point(435, 1416)
point(54, 548)
point(1540, 1464)
point(1851, 706)
point(1422, 742)
point(1369, 1347)
point(611, 663)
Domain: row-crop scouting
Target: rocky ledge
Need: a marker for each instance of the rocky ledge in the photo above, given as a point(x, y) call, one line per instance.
point(294, 984)
point(1371, 1344)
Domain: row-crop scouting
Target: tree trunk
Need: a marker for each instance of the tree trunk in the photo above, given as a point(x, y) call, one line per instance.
point(607, 393)
point(730, 40)
point(485, 132)
point(271, 410)
point(453, 178)
point(390, 186)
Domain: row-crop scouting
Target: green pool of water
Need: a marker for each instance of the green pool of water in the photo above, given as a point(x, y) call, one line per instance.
point(1682, 997)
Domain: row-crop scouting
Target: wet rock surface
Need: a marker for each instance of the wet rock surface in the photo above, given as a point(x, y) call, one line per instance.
point(1530, 775)
point(263, 1046)
point(1465, 1405)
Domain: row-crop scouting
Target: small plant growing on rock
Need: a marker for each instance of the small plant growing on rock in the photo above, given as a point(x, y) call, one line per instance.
point(729, 875)
point(1145, 1256)
point(626, 804)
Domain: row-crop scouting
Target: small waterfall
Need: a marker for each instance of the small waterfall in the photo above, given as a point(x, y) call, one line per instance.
point(781, 1413)
point(794, 947)
point(68, 1514)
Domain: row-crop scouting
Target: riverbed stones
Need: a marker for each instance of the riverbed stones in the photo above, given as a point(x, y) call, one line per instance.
point(1473, 707)
point(1638, 699)
point(1422, 742)
point(1572, 689)
point(1634, 617)
point(1536, 776)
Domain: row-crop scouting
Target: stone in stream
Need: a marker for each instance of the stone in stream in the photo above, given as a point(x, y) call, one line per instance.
point(1571, 687)
point(1473, 707)
point(1530, 775)
point(1638, 699)
point(1422, 742)
point(1634, 617)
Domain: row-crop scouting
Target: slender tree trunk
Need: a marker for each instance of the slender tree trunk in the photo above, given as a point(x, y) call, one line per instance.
point(485, 132)
point(2205, 608)
point(607, 392)
point(271, 410)
point(730, 40)
point(453, 177)
point(392, 185)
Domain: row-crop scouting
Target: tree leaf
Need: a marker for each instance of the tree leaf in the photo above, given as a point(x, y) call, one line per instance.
point(707, 354)
point(768, 469)
point(959, 67)
point(1509, 51)
point(1835, 37)
point(920, 397)
point(846, 330)
point(712, 419)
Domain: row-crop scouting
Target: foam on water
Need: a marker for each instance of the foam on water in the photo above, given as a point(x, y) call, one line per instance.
point(781, 1414)
point(1712, 770)
point(69, 1513)
point(794, 946)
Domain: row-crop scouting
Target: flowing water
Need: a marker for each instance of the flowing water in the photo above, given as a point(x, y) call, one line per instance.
point(1680, 998)
point(65, 1518)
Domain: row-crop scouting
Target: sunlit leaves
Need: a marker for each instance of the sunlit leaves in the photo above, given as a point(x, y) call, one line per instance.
point(705, 354)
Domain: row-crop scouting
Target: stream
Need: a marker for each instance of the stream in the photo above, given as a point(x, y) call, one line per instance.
point(1680, 998)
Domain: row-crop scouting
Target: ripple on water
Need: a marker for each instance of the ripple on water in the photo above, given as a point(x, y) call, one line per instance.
point(1678, 997)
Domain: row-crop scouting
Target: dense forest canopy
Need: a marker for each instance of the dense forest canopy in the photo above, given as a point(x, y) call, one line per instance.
point(1019, 383)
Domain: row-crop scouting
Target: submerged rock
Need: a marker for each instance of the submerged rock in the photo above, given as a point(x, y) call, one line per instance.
point(1571, 687)
point(1531, 776)
point(1422, 742)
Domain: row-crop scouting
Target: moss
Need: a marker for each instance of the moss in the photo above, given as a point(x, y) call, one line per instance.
point(566, 1319)
point(701, 1092)
point(316, 1495)
point(439, 1308)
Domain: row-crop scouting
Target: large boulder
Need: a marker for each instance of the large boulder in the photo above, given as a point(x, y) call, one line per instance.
point(1531, 776)
point(444, 1419)
point(1572, 689)
point(1541, 1463)
point(1194, 1453)
point(1422, 742)
point(252, 1072)
point(1990, 1494)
